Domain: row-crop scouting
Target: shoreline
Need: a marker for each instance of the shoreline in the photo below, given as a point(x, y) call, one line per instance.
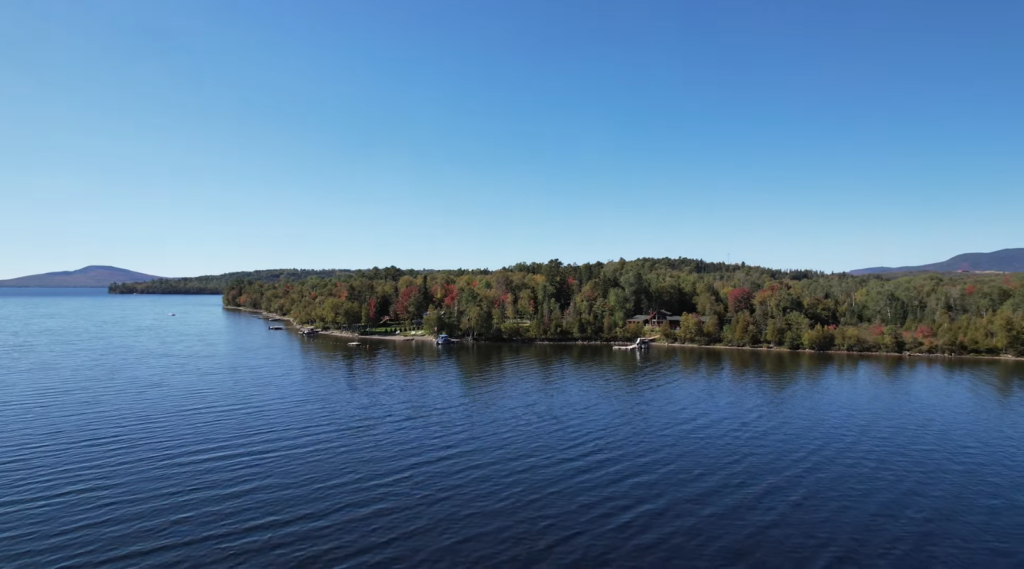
point(336, 333)
point(427, 338)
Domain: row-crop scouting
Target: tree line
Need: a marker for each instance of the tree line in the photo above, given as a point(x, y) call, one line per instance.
point(726, 304)
point(217, 284)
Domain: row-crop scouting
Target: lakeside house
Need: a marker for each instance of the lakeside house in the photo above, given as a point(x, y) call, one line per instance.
point(656, 319)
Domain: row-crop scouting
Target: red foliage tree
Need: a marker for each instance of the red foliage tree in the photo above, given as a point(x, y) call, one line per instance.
point(740, 299)
point(451, 295)
point(502, 300)
point(766, 293)
point(404, 303)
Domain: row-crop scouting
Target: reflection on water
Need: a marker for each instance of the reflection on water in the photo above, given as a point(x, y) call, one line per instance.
point(207, 439)
point(778, 369)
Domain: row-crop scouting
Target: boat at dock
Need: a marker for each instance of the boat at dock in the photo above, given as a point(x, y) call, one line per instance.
point(309, 331)
point(443, 339)
point(640, 344)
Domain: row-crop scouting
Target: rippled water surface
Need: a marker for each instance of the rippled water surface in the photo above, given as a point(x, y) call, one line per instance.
point(129, 437)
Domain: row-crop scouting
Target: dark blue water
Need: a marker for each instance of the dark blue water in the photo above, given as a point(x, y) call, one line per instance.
point(129, 437)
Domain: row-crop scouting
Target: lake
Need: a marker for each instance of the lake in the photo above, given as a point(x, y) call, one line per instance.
point(129, 437)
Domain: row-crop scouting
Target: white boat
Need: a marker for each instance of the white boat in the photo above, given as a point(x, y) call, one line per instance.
point(443, 339)
point(640, 344)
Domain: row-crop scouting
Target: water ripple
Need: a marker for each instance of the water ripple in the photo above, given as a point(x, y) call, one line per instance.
point(207, 440)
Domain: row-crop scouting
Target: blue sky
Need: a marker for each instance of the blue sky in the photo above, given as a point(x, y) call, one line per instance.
point(194, 137)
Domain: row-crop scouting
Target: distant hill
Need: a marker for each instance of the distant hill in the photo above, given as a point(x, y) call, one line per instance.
point(1003, 261)
point(91, 276)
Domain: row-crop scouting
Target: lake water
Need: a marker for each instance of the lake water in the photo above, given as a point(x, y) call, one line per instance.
point(129, 437)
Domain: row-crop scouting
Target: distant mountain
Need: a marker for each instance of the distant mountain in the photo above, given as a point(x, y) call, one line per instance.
point(1003, 261)
point(91, 276)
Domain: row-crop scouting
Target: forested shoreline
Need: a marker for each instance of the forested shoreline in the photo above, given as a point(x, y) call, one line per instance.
point(720, 304)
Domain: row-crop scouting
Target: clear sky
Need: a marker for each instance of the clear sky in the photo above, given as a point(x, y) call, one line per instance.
point(193, 137)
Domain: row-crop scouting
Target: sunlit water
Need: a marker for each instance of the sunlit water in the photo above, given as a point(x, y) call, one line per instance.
point(129, 437)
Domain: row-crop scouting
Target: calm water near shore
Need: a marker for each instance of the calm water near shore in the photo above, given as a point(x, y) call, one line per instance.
point(129, 437)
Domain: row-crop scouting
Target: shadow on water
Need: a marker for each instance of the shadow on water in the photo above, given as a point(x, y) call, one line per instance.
point(779, 370)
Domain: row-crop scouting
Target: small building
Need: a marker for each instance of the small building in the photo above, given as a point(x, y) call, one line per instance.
point(656, 319)
point(641, 319)
point(659, 317)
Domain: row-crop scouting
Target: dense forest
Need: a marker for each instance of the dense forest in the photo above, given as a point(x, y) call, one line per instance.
point(217, 284)
point(734, 305)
